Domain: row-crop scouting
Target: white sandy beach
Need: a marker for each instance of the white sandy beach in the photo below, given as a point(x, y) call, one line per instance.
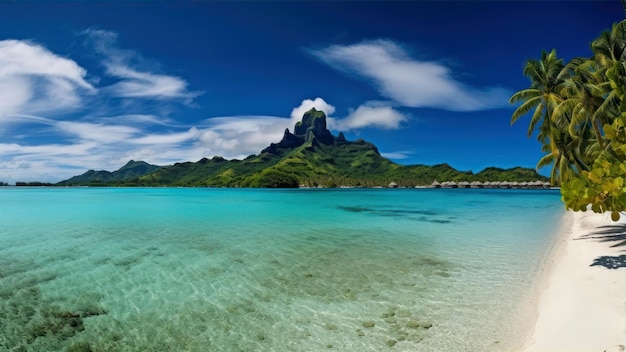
point(582, 306)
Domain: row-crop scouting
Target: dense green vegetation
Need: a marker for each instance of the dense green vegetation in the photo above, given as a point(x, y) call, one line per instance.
point(579, 115)
point(33, 184)
point(310, 157)
point(131, 170)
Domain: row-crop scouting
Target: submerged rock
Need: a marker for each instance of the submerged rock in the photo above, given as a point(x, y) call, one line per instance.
point(389, 314)
point(368, 324)
point(330, 326)
point(413, 324)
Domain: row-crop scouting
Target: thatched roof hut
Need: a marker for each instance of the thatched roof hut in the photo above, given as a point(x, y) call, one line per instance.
point(464, 184)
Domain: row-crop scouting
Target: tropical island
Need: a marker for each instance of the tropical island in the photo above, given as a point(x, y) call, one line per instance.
point(137, 259)
point(311, 156)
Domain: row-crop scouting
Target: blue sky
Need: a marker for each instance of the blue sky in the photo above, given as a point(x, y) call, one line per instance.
point(93, 85)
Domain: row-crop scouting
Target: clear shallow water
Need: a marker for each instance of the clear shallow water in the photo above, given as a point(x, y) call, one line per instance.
point(268, 270)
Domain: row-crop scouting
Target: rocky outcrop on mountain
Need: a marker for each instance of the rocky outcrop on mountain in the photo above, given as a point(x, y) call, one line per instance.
point(311, 130)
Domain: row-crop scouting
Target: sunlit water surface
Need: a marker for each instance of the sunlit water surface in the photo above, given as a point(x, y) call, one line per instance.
point(161, 269)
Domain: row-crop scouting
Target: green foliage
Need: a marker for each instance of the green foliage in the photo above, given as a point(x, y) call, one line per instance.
point(272, 178)
point(580, 117)
point(32, 184)
point(516, 174)
point(132, 170)
point(603, 188)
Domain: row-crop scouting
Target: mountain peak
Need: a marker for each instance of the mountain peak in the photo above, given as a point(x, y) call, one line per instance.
point(311, 129)
point(312, 119)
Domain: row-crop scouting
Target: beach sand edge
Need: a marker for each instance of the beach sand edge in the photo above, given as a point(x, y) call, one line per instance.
point(581, 305)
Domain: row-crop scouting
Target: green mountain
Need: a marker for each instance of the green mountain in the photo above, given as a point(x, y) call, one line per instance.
point(132, 169)
point(310, 156)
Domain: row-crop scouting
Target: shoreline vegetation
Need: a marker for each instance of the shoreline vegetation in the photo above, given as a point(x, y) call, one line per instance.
point(537, 185)
point(577, 112)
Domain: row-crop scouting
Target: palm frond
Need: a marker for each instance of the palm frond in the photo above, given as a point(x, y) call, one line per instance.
point(524, 95)
point(609, 109)
point(525, 108)
point(545, 161)
point(537, 116)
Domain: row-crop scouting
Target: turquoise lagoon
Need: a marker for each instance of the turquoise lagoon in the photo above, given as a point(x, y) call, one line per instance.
point(171, 269)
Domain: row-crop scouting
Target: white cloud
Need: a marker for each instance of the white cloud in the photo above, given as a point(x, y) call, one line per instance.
point(139, 119)
point(397, 155)
point(48, 150)
point(15, 92)
point(307, 104)
point(24, 58)
point(36, 83)
point(33, 80)
point(9, 148)
point(240, 136)
point(100, 144)
point(146, 85)
point(408, 81)
point(165, 139)
point(134, 83)
point(97, 132)
point(384, 117)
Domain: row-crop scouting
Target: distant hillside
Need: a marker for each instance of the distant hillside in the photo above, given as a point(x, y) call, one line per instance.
point(132, 169)
point(518, 174)
point(311, 156)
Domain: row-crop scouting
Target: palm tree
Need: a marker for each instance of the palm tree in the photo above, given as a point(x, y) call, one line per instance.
point(610, 53)
point(590, 100)
point(543, 94)
point(610, 47)
point(579, 116)
point(583, 91)
point(543, 97)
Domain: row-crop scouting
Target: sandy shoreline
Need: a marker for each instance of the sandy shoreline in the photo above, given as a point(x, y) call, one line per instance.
point(582, 303)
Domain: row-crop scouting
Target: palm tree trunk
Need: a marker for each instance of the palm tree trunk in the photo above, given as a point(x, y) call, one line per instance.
point(596, 131)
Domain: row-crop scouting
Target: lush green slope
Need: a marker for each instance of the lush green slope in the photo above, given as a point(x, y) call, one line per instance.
point(132, 169)
point(312, 157)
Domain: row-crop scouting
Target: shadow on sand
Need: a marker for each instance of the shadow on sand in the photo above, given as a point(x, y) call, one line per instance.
point(615, 235)
point(610, 262)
